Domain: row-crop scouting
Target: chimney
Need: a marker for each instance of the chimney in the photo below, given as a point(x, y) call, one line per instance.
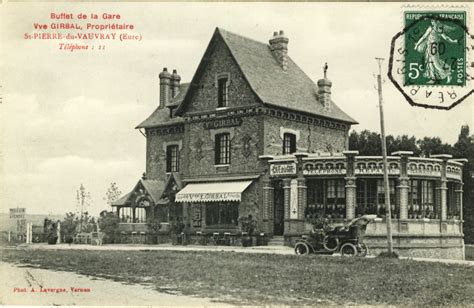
point(324, 90)
point(279, 48)
point(165, 79)
point(175, 79)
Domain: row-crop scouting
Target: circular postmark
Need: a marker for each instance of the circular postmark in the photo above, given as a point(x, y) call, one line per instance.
point(429, 59)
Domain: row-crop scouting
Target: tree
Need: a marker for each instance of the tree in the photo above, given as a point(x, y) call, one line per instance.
point(433, 145)
point(108, 223)
point(369, 143)
point(69, 226)
point(113, 193)
point(464, 148)
point(50, 229)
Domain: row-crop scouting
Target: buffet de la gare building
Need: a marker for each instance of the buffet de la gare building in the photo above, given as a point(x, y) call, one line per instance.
point(252, 137)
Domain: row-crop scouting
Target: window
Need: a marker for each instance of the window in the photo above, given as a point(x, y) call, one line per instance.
point(222, 92)
point(326, 198)
point(140, 215)
point(289, 143)
point(370, 197)
point(222, 149)
point(172, 158)
point(452, 202)
point(126, 214)
point(422, 200)
point(381, 208)
point(133, 214)
point(222, 213)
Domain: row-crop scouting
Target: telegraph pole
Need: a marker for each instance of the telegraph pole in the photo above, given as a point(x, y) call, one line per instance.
point(385, 169)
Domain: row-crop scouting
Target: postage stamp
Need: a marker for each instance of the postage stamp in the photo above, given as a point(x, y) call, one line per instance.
point(429, 58)
point(436, 48)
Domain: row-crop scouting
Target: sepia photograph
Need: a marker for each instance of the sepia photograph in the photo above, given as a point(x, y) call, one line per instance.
point(218, 154)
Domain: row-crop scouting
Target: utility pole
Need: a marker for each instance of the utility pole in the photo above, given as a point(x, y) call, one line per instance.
point(385, 167)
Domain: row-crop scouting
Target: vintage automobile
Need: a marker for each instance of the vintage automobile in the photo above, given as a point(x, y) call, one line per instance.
point(347, 240)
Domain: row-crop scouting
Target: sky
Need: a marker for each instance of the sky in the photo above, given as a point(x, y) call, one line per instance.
point(68, 118)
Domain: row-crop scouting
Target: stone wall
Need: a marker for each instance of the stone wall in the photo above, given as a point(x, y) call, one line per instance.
point(156, 154)
point(219, 63)
point(245, 148)
point(310, 138)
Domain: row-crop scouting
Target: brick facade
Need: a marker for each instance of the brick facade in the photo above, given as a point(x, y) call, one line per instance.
point(310, 138)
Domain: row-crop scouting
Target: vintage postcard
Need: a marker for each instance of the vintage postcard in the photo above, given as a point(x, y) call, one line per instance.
point(228, 154)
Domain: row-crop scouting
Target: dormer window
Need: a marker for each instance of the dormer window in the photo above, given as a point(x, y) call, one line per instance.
point(222, 98)
point(289, 143)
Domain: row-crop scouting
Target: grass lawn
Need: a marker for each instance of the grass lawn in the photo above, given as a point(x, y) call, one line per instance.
point(263, 278)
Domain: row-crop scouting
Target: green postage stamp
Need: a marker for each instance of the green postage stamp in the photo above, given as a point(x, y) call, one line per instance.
point(430, 57)
point(436, 48)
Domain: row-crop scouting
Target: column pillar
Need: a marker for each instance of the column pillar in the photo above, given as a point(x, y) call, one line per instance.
point(267, 199)
point(458, 199)
point(58, 229)
point(267, 204)
point(301, 198)
point(443, 184)
point(350, 183)
point(403, 189)
point(443, 199)
point(350, 197)
point(267, 194)
point(403, 183)
point(286, 198)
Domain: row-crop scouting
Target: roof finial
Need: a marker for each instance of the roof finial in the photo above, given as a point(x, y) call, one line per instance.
point(325, 70)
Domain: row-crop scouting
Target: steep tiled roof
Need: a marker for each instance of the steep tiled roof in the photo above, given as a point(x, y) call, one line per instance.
point(291, 89)
point(153, 187)
point(161, 116)
point(122, 200)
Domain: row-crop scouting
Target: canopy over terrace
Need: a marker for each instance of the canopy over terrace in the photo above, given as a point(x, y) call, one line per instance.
point(212, 192)
point(141, 202)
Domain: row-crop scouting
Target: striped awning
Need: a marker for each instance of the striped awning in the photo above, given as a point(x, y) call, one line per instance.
point(212, 192)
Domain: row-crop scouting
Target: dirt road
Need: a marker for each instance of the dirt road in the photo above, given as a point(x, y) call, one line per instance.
point(32, 286)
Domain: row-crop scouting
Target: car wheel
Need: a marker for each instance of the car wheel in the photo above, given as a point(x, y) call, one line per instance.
point(330, 243)
point(348, 250)
point(302, 249)
point(363, 250)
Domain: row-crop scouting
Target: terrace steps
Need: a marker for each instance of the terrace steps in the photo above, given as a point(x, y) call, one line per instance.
point(276, 240)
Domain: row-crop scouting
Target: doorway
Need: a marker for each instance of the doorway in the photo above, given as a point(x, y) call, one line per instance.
point(278, 208)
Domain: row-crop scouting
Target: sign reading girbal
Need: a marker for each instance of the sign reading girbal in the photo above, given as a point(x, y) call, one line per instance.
point(219, 123)
point(17, 213)
point(283, 169)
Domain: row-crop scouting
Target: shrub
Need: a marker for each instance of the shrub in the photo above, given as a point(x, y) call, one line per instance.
point(247, 224)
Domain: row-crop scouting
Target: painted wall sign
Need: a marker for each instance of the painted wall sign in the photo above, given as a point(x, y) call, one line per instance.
point(424, 172)
point(324, 172)
point(219, 123)
point(283, 169)
point(391, 171)
point(17, 213)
